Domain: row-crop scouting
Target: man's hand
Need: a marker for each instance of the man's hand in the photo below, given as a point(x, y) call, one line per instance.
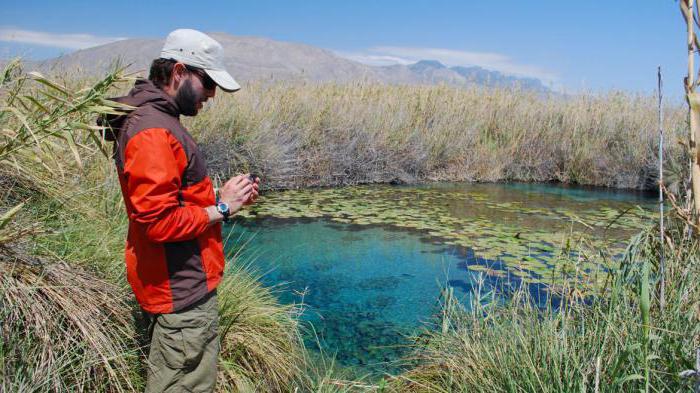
point(237, 192)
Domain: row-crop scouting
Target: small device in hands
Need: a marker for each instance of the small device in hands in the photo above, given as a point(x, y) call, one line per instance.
point(254, 177)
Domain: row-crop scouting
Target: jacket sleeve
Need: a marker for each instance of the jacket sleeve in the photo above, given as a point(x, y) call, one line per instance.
point(153, 163)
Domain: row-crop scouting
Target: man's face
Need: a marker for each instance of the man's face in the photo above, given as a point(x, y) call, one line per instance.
point(194, 88)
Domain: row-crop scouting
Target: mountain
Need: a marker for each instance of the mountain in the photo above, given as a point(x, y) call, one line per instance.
point(256, 58)
point(434, 72)
point(247, 58)
point(494, 78)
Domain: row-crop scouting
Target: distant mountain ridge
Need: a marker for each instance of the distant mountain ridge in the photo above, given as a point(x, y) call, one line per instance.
point(257, 58)
point(432, 71)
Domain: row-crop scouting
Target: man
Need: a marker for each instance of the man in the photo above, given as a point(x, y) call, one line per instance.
point(174, 251)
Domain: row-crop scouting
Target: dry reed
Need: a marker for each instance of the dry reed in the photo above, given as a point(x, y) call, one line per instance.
point(331, 134)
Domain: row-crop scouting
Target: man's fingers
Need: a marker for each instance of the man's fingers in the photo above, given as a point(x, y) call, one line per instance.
point(232, 181)
point(237, 182)
point(251, 197)
point(245, 190)
point(243, 179)
point(238, 188)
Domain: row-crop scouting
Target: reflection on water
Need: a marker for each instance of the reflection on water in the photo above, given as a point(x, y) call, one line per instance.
point(369, 262)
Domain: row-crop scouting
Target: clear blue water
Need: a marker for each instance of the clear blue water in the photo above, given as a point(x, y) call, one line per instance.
point(367, 287)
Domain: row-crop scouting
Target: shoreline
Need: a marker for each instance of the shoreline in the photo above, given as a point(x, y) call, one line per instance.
point(642, 192)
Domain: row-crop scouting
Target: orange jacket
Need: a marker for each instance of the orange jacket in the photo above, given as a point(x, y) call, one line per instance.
point(173, 257)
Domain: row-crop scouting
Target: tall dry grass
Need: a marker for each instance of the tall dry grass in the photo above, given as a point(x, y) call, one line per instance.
point(299, 135)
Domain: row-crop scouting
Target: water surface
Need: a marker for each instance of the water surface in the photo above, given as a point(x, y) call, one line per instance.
point(370, 262)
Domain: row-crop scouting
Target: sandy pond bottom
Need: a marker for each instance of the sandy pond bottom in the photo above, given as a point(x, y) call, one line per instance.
point(370, 262)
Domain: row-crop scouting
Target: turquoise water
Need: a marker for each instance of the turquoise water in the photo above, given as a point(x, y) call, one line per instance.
point(367, 287)
point(364, 288)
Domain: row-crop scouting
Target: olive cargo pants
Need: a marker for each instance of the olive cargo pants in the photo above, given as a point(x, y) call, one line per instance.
point(184, 348)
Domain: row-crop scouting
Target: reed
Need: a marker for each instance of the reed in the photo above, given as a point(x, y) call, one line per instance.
point(300, 135)
point(690, 14)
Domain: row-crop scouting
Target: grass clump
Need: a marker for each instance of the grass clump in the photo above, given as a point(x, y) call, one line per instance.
point(261, 346)
point(63, 330)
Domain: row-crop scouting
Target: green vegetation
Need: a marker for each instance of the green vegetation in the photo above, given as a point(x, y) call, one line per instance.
point(62, 327)
point(619, 340)
point(69, 323)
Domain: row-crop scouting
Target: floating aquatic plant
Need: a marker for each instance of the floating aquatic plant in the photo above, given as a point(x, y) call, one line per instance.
point(528, 237)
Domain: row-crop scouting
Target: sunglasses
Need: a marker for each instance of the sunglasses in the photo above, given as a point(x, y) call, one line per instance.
point(207, 82)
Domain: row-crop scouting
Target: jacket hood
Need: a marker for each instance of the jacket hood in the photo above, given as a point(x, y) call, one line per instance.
point(144, 93)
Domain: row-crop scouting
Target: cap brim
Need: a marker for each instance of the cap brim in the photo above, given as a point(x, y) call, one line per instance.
point(224, 80)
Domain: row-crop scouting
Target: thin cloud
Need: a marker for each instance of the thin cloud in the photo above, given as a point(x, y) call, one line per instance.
point(55, 40)
point(450, 57)
point(374, 60)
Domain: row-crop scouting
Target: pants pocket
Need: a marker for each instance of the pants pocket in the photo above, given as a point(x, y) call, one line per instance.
point(195, 341)
point(182, 347)
point(167, 348)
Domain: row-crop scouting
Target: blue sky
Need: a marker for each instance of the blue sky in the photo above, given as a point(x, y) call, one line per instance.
point(591, 45)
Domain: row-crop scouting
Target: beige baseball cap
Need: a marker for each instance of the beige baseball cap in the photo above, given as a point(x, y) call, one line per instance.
point(197, 49)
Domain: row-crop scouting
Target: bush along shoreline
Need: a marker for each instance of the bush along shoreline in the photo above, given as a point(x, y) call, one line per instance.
point(67, 320)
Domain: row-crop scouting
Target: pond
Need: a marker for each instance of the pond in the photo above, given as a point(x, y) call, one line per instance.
point(369, 262)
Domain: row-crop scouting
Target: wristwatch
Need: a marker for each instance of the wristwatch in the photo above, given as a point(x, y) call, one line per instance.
point(223, 209)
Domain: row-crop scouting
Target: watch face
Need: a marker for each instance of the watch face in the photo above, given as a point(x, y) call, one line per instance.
point(223, 207)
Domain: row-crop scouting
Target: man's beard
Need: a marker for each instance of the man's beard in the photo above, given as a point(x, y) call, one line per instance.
point(187, 99)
